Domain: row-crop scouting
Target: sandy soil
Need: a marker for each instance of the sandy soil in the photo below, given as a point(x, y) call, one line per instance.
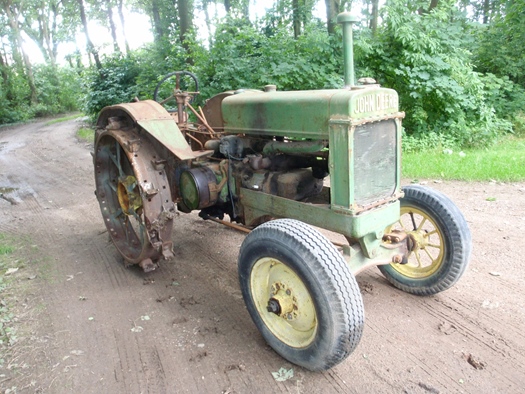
point(87, 324)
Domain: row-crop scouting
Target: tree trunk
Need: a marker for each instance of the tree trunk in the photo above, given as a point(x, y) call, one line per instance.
point(13, 23)
point(227, 6)
point(123, 24)
point(112, 26)
point(246, 10)
point(207, 20)
point(433, 4)
point(375, 16)
point(185, 18)
point(158, 31)
point(185, 25)
point(90, 47)
point(332, 9)
point(296, 14)
point(486, 11)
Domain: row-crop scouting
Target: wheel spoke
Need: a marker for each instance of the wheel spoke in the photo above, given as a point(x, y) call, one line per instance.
point(118, 213)
point(413, 220)
point(141, 226)
point(402, 225)
point(432, 259)
point(418, 258)
point(421, 224)
point(111, 185)
point(434, 246)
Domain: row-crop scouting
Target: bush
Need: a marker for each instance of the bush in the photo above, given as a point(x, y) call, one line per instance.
point(114, 83)
point(420, 55)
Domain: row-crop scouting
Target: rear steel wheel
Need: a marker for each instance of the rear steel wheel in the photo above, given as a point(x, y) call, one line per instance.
point(134, 197)
point(439, 240)
point(300, 294)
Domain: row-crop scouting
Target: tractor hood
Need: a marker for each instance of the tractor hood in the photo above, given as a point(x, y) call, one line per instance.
point(304, 114)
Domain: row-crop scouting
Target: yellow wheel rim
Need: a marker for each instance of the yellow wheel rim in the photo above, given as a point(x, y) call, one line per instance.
point(295, 321)
point(428, 253)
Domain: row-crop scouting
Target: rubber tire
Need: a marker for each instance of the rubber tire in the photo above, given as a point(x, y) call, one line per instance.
point(456, 238)
point(324, 272)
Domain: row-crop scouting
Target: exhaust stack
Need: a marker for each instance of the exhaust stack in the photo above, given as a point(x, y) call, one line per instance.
point(347, 20)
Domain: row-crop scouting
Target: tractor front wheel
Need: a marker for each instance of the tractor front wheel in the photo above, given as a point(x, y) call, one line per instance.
point(301, 294)
point(440, 243)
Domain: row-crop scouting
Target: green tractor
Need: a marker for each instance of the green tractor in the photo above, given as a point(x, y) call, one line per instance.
point(278, 163)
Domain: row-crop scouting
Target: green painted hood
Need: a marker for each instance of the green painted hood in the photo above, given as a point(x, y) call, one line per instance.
point(304, 114)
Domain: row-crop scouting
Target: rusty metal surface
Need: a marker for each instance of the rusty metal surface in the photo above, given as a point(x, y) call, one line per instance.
point(134, 196)
point(156, 121)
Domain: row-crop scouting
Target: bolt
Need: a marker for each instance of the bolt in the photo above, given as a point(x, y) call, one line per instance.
point(397, 259)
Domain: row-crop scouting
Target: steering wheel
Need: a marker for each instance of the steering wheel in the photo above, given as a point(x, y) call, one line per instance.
point(177, 89)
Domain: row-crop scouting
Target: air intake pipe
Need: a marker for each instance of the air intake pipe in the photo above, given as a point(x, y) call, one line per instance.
point(347, 20)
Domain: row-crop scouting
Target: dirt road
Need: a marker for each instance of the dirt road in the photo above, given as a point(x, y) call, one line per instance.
point(87, 324)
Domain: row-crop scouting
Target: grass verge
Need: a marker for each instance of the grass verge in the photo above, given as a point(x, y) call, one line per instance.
point(7, 331)
point(504, 162)
point(85, 133)
point(64, 118)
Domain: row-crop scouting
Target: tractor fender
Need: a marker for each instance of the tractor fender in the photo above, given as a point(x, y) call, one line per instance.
point(154, 120)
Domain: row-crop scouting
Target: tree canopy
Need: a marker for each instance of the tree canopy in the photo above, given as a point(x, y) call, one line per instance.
point(458, 66)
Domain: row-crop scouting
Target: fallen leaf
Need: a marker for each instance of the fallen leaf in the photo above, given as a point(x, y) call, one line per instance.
point(490, 199)
point(137, 329)
point(283, 374)
point(11, 271)
point(91, 318)
point(143, 318)
point(494, 273)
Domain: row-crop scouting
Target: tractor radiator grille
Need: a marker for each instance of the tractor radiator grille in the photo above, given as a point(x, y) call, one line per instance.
point(375, 162)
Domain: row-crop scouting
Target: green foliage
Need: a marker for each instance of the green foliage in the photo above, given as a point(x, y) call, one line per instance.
point(422, 56)
point(58, 92)
point(14, 97)
point(243, 56)
point(506, 97)
point(114, 83)
point(499, 48)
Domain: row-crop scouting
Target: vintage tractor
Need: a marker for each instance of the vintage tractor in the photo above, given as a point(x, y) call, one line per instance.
point(278, 163)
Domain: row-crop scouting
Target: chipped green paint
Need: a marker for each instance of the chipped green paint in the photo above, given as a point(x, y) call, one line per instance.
point(304, 114)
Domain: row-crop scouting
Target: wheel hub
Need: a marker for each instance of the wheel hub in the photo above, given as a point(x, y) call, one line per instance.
point(128, 195)
point(282, 302)
point(419, 240)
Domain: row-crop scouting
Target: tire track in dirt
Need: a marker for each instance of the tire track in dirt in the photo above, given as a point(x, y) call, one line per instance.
point(197, 325)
